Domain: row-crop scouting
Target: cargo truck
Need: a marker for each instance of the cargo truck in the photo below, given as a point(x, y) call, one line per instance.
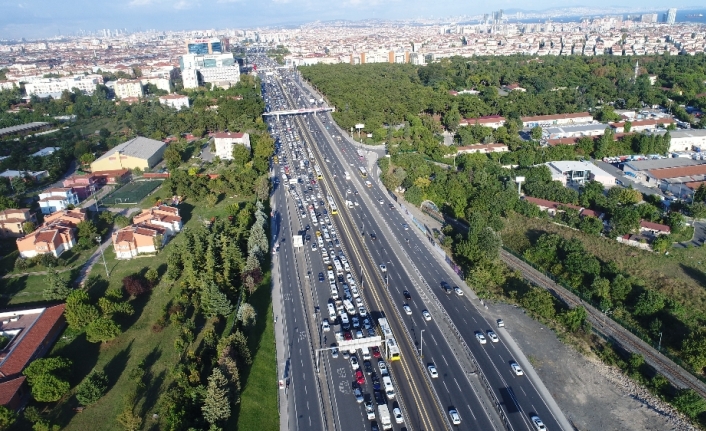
point(384, 414)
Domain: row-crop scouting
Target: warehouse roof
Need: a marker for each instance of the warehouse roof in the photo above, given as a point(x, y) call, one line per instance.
point(22, 128)
point(140, 147)
point(646, 165)
point(686, 171)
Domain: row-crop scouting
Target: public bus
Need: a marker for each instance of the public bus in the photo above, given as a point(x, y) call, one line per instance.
point(319, 175)
point(392, 350)
point(332, 205)
point(363, 172)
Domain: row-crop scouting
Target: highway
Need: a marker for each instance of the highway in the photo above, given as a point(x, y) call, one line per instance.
point(518, 395)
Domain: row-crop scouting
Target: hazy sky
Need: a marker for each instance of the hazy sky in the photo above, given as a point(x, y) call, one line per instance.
point(44, 18)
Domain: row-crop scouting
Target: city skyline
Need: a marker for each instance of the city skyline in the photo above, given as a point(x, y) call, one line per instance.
point(42, 19)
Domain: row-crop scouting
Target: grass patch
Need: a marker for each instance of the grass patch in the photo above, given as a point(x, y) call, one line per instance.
point(258, 408)
point(685, 234)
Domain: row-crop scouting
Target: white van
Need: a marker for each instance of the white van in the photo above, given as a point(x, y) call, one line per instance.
point(337, 264)
point(346, 267)
point(331, 312)
point(349, 306)
point(331, 276)
point(365, 353)
point(389, 389)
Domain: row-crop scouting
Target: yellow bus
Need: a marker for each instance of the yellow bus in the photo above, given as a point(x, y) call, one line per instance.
point(319, 175)
point(332, 205)
point(392, 350)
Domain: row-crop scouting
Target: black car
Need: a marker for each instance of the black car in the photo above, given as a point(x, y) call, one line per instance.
point(340, 279)
point(308, 237)
point(368, 367)
point(373, 236)
point(376, 382)
point(407, 296)
point(307, 227)
point(321, 277)
point(446, 287)
point(379, 398)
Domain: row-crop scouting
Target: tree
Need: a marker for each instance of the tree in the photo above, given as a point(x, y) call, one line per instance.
point(57, 287)
point(152, 277)
point(135, 285)
point(649, 302)
point(620, 288)
point(241, 155)
point(101, 330)
point(698, 209)
point(591, 225)
point(689, 402)
point(574, 319)
point(92, 388)
point(46, 378)
point(700, 193)
point(214, 302)
point(539, 302)
point(662, 243)
point(28, 227)
point(675, 221)
point(121, 221)
point(694, 349)
point(216, 405)
point(536, 133)
point(627, 127)
point(247, 315)
point(262, 187)
point(87, 234)
point(7, 418)
point(79, 313)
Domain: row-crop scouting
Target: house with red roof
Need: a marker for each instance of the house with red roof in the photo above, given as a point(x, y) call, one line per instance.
point(225, 141)
point(26, 335)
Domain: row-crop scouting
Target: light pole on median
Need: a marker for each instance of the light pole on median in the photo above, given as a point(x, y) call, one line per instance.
point(421, 343)
point(105, 265)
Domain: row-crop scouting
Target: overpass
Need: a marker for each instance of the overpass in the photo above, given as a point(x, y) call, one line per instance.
point(298, 111)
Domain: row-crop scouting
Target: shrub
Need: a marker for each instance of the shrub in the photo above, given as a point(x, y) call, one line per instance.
point(92, 388)
point(22, 264)
point(135, 285)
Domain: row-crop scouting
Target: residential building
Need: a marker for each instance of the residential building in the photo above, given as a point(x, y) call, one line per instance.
point(24, 129)
point(44, 87)
point(128, 88)
point(224, 142)
point(31, 333)
point(176, 101)
point(138, 152)
point(493, 121)
point(654, 229)
point(162, 215)
point(574, 172)
point(57, 198)
point(7, 85)
point(67, 217)
point(550, 206)
point(54, 238)
point(45, 151)
point(160, 83)
point(11, 221)
point(136, 239)
point(557, 119)
point(482, 148)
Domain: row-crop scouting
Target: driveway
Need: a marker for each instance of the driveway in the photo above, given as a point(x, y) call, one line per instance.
point(699, 236)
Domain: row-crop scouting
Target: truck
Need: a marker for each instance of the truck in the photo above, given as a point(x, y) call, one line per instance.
point(349, 204)
point(348, 175)
point(384, 414)
point(389, 389)
point(312, 100)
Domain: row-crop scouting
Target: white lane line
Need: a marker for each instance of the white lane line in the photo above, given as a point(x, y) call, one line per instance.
point(447, 363)
point(447, 388)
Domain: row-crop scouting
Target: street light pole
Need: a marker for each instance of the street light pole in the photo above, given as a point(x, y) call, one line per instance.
point(105, 265)
point(421, 343)
point(659, 346)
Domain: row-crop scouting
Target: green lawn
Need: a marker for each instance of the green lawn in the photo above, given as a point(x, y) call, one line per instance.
point(258, 409)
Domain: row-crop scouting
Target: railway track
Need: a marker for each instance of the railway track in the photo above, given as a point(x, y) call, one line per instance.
point(677, 376)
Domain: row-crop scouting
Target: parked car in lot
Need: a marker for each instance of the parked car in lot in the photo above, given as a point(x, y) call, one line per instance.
point(354, 362)
point(397, 413)
point(360, 378)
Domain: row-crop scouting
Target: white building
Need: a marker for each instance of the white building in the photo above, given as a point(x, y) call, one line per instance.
point(160, 83)
point(225, 141)
point(686, 140)
point(7, 85)
point(55, 86)
point(45, 151)
point(573, 172)
point(218, 69)
point(128, 88)
point(482, 148)
point(190, 78)
point(176, 101)
point(57, 199)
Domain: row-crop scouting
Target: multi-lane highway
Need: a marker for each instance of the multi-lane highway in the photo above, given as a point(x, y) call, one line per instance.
point(373, 232)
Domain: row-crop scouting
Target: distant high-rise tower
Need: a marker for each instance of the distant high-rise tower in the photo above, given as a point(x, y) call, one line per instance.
point(671, 16)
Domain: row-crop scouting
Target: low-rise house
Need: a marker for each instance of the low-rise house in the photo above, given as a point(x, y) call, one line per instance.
point(12, 221)
point(654, 229)
point(54, 238)
point(577, 172)
point(35, 175)
point(493, 121)
point(56, 199)
point(71, 217)
point(482, 148)
point(557, 119)
point(176, 101)
point(162, 215)
point(136, 239)
point(649, 124)
point(225, 141)
point(31, 334)
point(550, 206)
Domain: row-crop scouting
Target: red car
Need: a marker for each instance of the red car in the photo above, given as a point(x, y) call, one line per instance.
point(359, 377)
point(313, 181)
point(347, 335)
point(376, 351)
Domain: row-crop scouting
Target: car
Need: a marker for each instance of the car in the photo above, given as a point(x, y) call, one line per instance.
point(376, 351)
point(382, 366)
point(376, 382)
point(370, 410)
point(321, 277)
point(373, 237)
point(406, 294)
point(538, 424)
point(480, 337)
point(354, 362)
point(458, 291)
point(371, 332)
point(381, 201)
point(368, 367)
point(308, 237)
point(405, 226)
point(407, 310)
point(346, 355)
point(358, 334)
point(313, 246)
point(374, 426)
point(397, 413)
point(379, 398)
point(355, 321)
point(501, 323)
point(455, 418)
point(325, 325)
point(516, 369)
point(358, 394)
point(359, 301)
point(493, 337)
point(347, 336)
point(334, 353)
point(307, 227)
point(427, 315)
point(432, 371)
point(383, 268)
point(363, 312)
point(446, 287)
point(360, 378)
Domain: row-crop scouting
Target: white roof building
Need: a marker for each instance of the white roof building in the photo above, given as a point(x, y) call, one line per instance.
point(573, 172)
point(176, 101)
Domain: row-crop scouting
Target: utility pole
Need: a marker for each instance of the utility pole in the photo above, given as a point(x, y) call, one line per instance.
point(105, 265)
point(421, 343)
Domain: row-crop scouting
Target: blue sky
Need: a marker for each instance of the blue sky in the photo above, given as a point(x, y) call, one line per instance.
point(45, 18)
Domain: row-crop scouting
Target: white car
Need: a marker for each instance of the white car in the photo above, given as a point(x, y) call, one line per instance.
point(458, 291)
point(383, 268)
point(427, 315)
point(538, 424)
point(397, 413)
point(516, 368)
point(455, 418)
point(481, 338)
point(363, 312)
point(381, 201)
point(359, 301)
point(432, 371)
point(358, 395)
point(354, 363)
point(494, 338)
point(407, 309)
point(325, 326)
point(383, 367)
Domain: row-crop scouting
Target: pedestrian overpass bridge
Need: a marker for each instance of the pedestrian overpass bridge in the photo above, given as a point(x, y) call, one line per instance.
point(298, 111)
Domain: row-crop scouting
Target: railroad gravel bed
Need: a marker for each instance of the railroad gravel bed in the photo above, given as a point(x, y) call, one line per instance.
point(592, 395)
